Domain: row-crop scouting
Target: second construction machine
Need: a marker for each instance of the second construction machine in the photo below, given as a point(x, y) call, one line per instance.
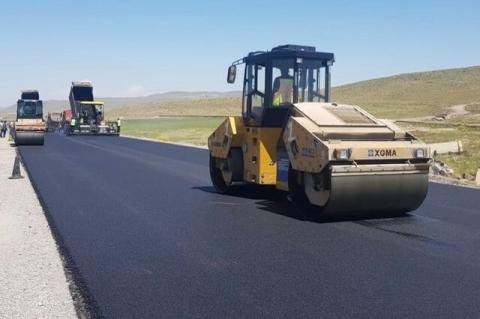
point(54, 121)
point(334, 158)
point(29, 127)
point(88, 115)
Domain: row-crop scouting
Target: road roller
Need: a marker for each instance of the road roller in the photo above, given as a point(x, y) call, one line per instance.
point(29, 127)
point(87, 114)
point(331, 157)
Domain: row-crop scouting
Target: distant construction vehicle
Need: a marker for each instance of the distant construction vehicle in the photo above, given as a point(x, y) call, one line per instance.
point(332, 158)
point(54, 121)
point(88, 115)
point(66, 119)
point(29, 127)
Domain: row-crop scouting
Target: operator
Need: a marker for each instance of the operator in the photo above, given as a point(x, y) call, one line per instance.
point(283, 88)
point(84, 118)
point(72, 124)
point(119, 123)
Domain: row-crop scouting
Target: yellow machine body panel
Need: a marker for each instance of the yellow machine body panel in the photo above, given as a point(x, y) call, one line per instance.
point(258, 144)
point(260, 153)
point(29, 131)
point(310, 152)
point(346, 159)
point(30, 125)
point(228, 134)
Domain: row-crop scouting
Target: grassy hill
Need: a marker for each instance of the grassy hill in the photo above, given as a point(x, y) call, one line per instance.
point(414, 94)
point(400, 96)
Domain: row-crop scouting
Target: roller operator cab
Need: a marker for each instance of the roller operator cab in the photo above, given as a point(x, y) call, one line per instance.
point(29, 127)
point(336, 158)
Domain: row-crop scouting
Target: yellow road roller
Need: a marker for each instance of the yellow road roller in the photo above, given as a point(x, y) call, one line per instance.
point(334, 157)
point(29, 127)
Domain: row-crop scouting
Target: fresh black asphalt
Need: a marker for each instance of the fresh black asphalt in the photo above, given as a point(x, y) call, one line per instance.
point(150, 239)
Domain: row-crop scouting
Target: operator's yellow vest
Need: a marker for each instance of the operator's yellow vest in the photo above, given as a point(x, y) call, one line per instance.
point(277, 100)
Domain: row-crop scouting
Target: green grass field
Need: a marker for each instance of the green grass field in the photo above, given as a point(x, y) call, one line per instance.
point(201, 107)
point(465, 164)
point(193, 130)
point(402, 96)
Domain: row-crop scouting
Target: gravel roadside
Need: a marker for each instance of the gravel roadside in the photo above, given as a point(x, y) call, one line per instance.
point(32, 279)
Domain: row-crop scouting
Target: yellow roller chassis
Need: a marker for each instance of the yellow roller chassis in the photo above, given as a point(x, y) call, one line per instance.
point(378, 176)
point(333, 157)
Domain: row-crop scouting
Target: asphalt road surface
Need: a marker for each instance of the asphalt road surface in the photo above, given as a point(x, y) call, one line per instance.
point(149, 238)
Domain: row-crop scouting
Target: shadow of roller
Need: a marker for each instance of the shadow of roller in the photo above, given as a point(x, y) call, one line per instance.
point(271, 200)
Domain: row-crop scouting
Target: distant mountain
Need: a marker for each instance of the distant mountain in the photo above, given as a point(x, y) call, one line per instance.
point(115, 102)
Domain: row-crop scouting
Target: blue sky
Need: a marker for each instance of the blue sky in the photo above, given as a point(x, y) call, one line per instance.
point(130, 48)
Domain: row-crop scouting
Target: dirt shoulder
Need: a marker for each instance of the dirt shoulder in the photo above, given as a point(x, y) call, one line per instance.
point(33, 282)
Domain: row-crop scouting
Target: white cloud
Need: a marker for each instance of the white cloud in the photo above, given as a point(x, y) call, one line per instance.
point(135, 90)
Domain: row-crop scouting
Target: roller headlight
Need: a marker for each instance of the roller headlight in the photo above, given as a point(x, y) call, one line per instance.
point(420, 153)
point(343, 154)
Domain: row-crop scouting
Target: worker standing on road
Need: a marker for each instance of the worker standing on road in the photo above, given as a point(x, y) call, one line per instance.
point(119, 123)
point(10, 128)
point(3, 129)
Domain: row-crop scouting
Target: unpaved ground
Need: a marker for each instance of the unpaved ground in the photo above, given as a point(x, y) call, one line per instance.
point(32, 279)
point(452, 112)
point(456, 110)
point(451, 181)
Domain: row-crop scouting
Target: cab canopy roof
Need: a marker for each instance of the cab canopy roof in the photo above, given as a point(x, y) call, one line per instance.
point(30, 95)
point(82, 83)
point(289, 51)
